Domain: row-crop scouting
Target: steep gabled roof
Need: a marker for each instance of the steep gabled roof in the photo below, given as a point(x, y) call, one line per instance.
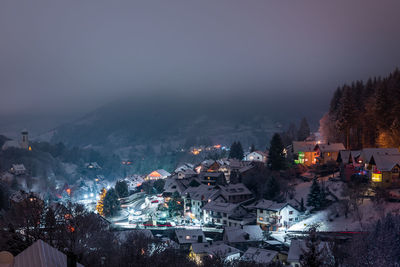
point(385, 162)
point(41, 254)
point(303, 146)
point(331, 147)
point(259, 255)
point(367, 153)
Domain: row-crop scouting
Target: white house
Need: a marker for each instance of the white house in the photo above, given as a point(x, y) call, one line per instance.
point(256, 156)
point(18, 169)
point(272, 215)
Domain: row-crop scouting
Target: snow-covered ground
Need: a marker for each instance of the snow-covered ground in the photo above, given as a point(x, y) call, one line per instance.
point(369, 212)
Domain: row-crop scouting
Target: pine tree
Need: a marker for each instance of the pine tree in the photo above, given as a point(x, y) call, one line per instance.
point(276, 157)
point(111, 203)
point(312, 254)
point(240, 152)
point(313, 198)
point(304, 130)
point(121, 188)
point(236, 151)
point(252, 148)
point(322, 197)
point(273, 189)
point(302, 208)
point(233, 150)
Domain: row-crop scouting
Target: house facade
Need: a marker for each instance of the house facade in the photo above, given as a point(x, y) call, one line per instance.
point(272, 216)
point(259, 156)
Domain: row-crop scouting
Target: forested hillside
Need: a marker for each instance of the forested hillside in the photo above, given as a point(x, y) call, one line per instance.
point(365, 114)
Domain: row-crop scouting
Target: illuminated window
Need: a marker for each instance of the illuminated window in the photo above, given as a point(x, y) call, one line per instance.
point(377, 177)
point(187, 237)
point(261, 219)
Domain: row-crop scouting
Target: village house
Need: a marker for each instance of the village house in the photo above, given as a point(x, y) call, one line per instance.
point(235, 193)
point(219, 213)
point(348, 164)
point(185, 171)
point(157, 174)
point(384, 170)
point(372, 162)
point(187, 237)
point(18, 169)
point(212, 178)
point(196, 197)
point(231, 167)
point(199, 251)
point(259, 256)
point(242, 237)
point(304, 153)
point(328, 152)
point(272, 215)
point(259, 156)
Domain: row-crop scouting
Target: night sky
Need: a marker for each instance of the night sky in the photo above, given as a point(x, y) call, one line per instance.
point(75, 55)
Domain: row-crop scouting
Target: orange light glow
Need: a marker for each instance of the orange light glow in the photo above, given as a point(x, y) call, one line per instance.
point(68, 190)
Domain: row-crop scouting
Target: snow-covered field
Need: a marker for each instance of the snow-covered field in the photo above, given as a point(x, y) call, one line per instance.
point(369, 212)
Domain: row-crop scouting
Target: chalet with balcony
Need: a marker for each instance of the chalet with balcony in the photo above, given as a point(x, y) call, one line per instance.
point(272, 215)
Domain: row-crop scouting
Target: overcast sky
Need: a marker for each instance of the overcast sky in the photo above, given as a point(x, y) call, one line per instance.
point(66, 56)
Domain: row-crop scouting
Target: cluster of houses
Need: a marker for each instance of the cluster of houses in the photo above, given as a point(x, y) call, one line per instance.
point(313, 152)
point(380, 165)
point(246, 243)
point(209, 198)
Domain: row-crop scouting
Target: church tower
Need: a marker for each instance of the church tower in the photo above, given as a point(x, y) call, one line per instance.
point(25, 140)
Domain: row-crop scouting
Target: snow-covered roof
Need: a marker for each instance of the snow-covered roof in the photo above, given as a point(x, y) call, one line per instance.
point(189, 236)
point(331, 147)
point(41, 254)
point(385, 162)
point(367, 153)
point(271, 205)
point(158, 173)
point(259, 255)
point(201, 192)
point(221, 207)
point(217, 249)
point(303, 146)
point(174, 185)
point(246, 233)
point(184, 167)
point(234, 190)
